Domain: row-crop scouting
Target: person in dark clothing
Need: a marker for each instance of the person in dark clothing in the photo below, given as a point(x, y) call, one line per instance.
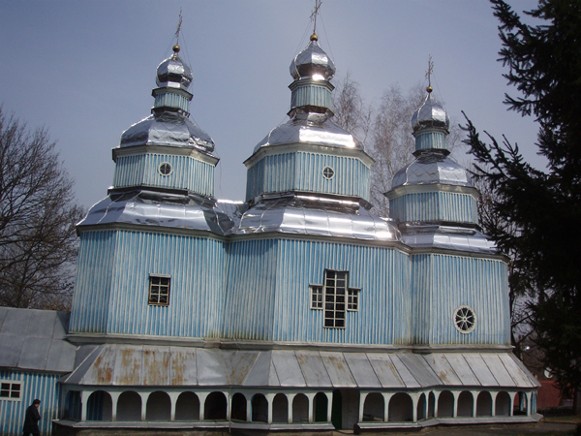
point(31, 419)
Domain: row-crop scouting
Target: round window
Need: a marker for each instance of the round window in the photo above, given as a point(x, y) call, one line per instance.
point(165, 169)
point(328, 173)
point(464, 319)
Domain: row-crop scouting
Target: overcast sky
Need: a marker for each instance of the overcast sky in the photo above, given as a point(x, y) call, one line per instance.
point(85, 69)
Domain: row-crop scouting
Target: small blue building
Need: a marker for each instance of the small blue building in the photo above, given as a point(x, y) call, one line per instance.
point(298, 308)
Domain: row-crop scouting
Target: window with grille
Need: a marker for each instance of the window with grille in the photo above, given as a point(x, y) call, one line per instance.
point(335, 298)
point(10, 390)
point(159, 288)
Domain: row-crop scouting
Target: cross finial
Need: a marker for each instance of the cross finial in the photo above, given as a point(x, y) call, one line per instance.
point(179, 27)
point(314, 15)
point(429, 73)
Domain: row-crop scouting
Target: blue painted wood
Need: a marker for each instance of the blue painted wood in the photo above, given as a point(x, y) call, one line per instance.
point(303, 171)
point(274, 291)
point(143, 169)
point(442, 283)
point(434, 207)
point(112, 295)
point(45, 387)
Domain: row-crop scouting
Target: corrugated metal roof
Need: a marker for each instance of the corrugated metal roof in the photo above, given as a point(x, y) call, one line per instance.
point(35, 340)
point(185, 366)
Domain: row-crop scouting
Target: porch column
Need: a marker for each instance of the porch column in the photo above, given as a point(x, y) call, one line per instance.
point(114, 401)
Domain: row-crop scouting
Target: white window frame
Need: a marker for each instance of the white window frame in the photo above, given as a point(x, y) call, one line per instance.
point(10, 389)
point(154, 288)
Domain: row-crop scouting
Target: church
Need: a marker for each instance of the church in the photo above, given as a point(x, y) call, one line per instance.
point(296, 309)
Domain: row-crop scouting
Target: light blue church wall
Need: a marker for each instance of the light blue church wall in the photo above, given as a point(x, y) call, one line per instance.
point(195, 265)
point(275, 293)
point(250, 289)
point(435, 206)
point(303, 171)
point(93, 283)
point(43, 386)
point(143, 170)
point(441, 283)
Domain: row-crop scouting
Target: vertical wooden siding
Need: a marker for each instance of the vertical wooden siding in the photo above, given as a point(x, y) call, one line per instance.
point(45, 387)
point(442, 283)
point(303, 171)
point(196, 267)
point(274, 292)
point(187, 172)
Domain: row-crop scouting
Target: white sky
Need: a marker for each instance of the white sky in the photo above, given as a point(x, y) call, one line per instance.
point(85, 69)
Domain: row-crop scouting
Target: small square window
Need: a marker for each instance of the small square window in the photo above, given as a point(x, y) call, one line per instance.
point(316, 297)
point(159, 287)
point(10, 390)
point(352, 299)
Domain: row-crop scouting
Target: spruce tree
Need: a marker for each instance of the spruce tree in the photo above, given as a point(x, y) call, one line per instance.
point(542, 54)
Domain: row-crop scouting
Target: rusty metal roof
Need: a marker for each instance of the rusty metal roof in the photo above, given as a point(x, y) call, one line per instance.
point(35, 340)
point(149, 365)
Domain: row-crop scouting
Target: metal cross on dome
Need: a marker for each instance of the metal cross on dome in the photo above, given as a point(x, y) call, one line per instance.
point(315, 13)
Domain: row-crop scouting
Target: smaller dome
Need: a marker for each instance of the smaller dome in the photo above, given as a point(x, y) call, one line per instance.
point(312, 63)
point(430, 114)
point(173, 72)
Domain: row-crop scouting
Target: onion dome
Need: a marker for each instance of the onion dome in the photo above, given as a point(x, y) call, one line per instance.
point(173, 72)
point(312, 63)
point(169, 124)
point(430, 115)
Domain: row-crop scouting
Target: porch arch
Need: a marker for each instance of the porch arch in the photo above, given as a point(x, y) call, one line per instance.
point(158, 407)
point(484, 404)
point(445, 405)
point(215, 406)
point(259, 408)
point(502, 406)
point(129, 406)
point(99, 406)
point(280, 408)
point(187, 407)
point(401, 408)
point(465, 404)
point(374, 407)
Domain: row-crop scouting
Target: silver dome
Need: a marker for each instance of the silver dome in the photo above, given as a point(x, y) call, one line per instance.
point(430, 114)
point(313, 63)
point(155, 210)
point(431, 168)
point(173, 72)
point(311, 129)
point(167, 128)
